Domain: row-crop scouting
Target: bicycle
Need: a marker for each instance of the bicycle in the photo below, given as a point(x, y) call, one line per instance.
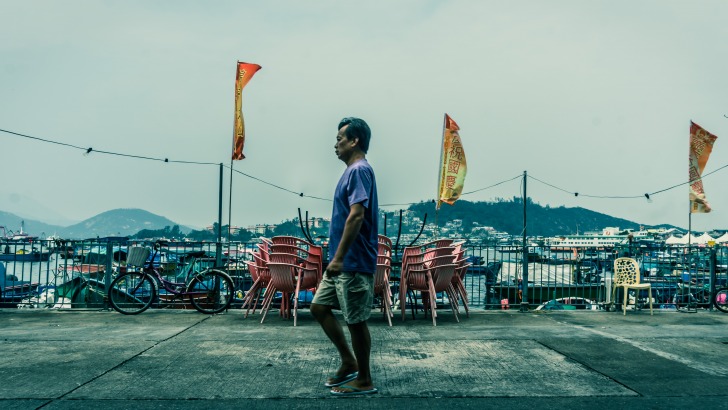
point(720, 299)
point(210, 291)
point(691, 294)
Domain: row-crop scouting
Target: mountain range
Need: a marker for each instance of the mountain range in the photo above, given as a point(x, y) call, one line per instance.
point(503, 215)
point(506, 215)
point(117, 222)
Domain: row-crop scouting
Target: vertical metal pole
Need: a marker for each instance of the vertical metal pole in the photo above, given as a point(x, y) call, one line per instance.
point(107, 274)
point(218, 244)
point(524, 297)
point(690, 228)
point(713, 263)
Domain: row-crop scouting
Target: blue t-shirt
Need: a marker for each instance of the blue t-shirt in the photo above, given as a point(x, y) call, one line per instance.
point(356, 186)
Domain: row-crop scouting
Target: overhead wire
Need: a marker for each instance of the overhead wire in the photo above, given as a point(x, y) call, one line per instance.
point(491, 186)
point(464, 193)
point(300, 194)
point(579, 194)
point(647, 195)
point(89, 150)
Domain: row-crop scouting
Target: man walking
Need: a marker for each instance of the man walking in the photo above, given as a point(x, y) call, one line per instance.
point(348, 283)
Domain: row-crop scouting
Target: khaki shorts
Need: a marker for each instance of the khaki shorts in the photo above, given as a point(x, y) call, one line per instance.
point(351, 292)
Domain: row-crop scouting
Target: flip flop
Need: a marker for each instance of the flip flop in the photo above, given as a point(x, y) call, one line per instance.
point(353, 391)
point(339, 380)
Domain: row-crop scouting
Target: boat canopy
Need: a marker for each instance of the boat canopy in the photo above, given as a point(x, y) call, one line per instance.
point(722, 239)
point(704, 238)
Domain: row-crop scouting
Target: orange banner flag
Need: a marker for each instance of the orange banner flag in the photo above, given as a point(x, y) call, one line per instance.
point(701, 145)
point(452, 165)
point(244, 74)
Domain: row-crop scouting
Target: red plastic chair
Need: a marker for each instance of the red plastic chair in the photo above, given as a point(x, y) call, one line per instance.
point(438, 243)
point(431, 253)
point(383, 249)
point(430, 280)
point(311, 258)
point(382, 287)
point(458, 281)
point(316, 257)
point(260, 273)
point(289, 278)
point(410, 256)
point(290, 240)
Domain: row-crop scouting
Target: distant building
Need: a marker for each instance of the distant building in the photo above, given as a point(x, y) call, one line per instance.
point(260, 229)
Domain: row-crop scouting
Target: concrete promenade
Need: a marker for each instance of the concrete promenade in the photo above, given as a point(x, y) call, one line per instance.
point(167, 359)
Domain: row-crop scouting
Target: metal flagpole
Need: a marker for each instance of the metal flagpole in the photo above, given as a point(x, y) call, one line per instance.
point(524, 276)
point(439, 177)
point(230, 202)
point(218, 245)
point(691, 306)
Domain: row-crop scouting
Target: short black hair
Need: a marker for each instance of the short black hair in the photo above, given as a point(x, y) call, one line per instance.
point(358, 128)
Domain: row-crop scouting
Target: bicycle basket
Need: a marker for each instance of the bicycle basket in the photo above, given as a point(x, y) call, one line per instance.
point(137, 256)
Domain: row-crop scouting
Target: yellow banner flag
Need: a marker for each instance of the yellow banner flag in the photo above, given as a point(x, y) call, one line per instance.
point(452, 166)
point(701, 145)
point(244, 74)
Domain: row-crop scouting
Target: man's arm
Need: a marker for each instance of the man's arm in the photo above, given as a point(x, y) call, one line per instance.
point(351, 229)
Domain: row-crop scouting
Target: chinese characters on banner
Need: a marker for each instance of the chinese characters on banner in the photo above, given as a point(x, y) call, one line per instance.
point(453, 167)
point(701, 144)
point(244, 74)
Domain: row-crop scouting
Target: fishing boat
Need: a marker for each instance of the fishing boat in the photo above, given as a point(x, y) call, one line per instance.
point(21, 236)
point(24, 255)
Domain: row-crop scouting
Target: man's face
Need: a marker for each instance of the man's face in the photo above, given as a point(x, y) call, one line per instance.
point(344, 147)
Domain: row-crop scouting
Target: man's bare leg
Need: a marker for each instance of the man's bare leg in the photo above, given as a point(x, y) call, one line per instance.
point(362, 344)
point(335, 333)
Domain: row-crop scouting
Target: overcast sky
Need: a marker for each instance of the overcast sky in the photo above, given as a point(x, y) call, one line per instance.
point(594, 97)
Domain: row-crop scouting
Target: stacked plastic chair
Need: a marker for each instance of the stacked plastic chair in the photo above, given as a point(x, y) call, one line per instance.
point(458, 279)
point(260, 274)
point(381, 277)
point(458, 282)
point(430, 269)
point(295, 265)
point(432, 276)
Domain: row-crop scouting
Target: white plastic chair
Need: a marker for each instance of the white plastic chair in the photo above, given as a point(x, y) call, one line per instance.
point(627, 276)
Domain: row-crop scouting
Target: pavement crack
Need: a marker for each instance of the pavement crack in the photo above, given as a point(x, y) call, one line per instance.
point(647, 348)
point(122, 363)
point(587, 366)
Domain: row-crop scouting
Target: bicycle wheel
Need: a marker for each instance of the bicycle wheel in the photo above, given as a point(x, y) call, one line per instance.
point(210, 291)
point(721, 299)
point(132, 293)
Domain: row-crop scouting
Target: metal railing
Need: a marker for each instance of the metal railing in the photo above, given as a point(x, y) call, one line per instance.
point(75, 274)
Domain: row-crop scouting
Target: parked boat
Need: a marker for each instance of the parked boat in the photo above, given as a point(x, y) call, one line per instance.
point(542, 293)
point(23, 255)
point(570, 303)
point(18, 236)
point(89, 269)
point(83, 293)
point(13, 290)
